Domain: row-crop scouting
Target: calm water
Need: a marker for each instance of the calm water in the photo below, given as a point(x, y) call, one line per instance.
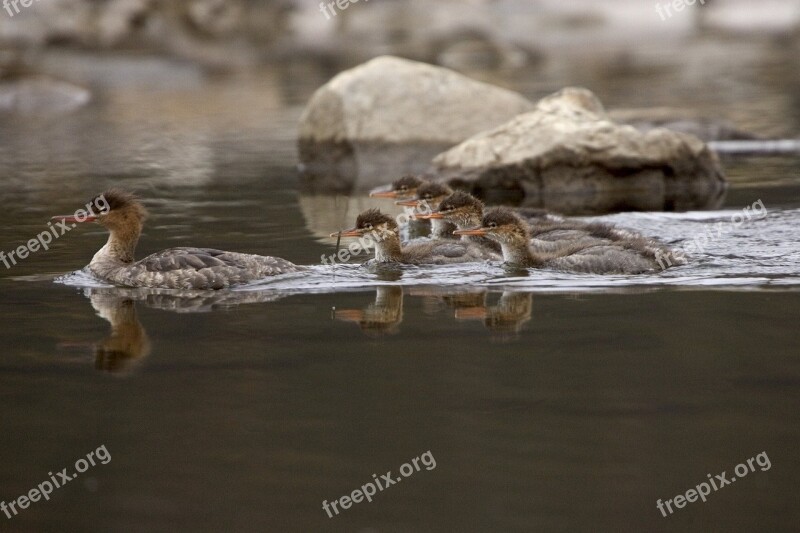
point(549, 401)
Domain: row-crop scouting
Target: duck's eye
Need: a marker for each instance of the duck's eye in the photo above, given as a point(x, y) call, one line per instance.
point(492, 224)
point(367, 226)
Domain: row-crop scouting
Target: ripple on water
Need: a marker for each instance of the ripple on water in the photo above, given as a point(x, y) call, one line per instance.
point(756, 253)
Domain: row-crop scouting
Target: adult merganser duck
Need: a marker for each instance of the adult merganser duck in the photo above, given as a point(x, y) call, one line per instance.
point(174, 268)
point(385, 234)
point(430, 195)
point(633, 254)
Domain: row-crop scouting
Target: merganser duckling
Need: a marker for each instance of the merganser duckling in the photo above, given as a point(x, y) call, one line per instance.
point(405, 187)
point(430, 196)
point(463, 211)
point(174, 268)
point(548, 232)
point(385, 234)
point(631, 255)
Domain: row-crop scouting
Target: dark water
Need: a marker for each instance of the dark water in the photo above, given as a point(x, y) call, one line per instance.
point(549, 402)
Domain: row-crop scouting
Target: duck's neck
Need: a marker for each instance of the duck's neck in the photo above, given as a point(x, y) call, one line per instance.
point(468, 220)
point(441, 229)
point(517, 253)
point(119, 248)
point(388, 249)
point(471, 220)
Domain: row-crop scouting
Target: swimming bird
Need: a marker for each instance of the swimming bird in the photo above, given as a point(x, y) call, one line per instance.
point(633, 254)
point(464, 211)
point(384, 232)
point(405, 187)
point(175, 268)
point(429, 196)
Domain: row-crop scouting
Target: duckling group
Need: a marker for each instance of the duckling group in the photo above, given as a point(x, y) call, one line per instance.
point(463, 231)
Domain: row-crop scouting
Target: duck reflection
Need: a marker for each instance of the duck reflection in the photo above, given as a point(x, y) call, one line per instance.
point(435, 298)
point(380, 318)
point(128, 344)
point(506, 318)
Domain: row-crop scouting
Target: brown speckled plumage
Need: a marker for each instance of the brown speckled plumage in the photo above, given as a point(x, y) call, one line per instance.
point(465, 211)
point(433, 194)
point(606, 250)
point(389, 250)
point(175, 268)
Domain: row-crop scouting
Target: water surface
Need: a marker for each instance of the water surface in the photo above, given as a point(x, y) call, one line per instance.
point(549, 401)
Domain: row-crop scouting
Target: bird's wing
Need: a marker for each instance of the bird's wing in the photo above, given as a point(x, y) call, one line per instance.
point(190, 259)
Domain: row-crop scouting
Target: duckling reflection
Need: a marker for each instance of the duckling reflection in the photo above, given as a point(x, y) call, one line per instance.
point(512, 311)
point(380, 318)
point(128, 344)
point(435, 298)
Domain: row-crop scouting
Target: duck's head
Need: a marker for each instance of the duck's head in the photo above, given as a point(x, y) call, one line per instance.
point(460, 208)
point(404, 187)
point(374, 223)
point(431, 194)
point(502, 225)
point(115, 209)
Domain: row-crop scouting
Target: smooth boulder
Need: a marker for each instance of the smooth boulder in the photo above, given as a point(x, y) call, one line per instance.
point(393, 110)
point(569, 156)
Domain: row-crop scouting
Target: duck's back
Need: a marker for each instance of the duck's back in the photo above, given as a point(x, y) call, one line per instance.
point(198, 268)
point(438, 252)
point(623, 257)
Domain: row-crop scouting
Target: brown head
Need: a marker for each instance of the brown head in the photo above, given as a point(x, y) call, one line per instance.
point(122, 214)
point(431, 194)
point(404, 187)
point(115, 209)
point(460, 208)
point(502, 225)
point(371, 221)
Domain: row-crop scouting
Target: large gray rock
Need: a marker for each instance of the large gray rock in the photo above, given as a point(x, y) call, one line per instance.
point(392, 109)
point(568, 156)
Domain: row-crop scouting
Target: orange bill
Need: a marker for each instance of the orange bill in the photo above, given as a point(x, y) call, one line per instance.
point(472, 232)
